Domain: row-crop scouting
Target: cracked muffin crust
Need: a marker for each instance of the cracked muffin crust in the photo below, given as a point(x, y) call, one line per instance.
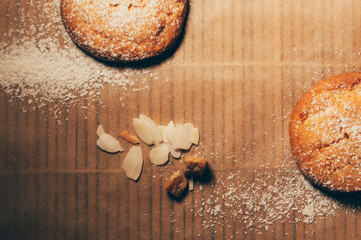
point(124, 30)
point(325, 133)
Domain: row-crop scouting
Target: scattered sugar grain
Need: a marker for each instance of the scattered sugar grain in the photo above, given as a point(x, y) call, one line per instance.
point(51, 69)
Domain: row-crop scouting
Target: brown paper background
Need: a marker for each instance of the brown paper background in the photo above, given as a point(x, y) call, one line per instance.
point(236, 74)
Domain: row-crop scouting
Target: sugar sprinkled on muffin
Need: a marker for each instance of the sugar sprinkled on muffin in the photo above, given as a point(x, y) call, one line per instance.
point(124, 30)
point(325, 133)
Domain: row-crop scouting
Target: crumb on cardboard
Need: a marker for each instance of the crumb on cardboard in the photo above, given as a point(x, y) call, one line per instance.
point(128, 137)
point(176, 184)
point(194, 166)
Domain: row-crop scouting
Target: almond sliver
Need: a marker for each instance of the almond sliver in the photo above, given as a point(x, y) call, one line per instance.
point(194, 136)
point(100, 131)
point(109, 144)
point(133, 163)
point(182, 136)
point(165, 147)
point(157, 136)
point(128, 137)
point(163, 131)
point(158, 156)
point(175, 153)
point(171, 133)
point(143, 131)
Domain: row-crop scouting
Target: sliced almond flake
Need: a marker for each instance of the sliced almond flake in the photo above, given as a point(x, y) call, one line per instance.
point(194, 136)
point(109, 144)
point(175, 153)
point(157, 136)
point(163, 131)
point(100, 131)
point(171, 133)
point(133, 163)
point(165, 147)
point(128, 137)
point(158, 156)
point(143, 131)
point(182, 136)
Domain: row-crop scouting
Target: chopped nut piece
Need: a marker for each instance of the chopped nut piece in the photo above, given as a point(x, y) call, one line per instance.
point(176, 184)
point(194, 166)
point(128, 137)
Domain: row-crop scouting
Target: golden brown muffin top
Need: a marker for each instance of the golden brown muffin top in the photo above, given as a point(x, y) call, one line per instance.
point(325, 133)
point(124, 30)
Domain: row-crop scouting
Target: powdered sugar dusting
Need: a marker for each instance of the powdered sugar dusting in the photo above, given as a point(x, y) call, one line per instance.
point(254, 200)
point(45, 69)
point(270, 197)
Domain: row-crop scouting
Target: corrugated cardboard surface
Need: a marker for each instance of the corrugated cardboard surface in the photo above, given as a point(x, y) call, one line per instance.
point(236, 74)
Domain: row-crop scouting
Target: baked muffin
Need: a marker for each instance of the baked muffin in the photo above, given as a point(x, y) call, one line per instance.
point(124, 30)
point(325, 133)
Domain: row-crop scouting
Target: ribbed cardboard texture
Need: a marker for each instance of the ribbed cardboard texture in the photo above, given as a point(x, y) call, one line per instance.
point(236, 73)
